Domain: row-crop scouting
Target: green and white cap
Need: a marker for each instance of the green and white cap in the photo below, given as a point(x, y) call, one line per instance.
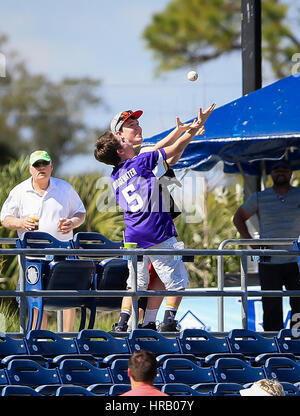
point(39, 155)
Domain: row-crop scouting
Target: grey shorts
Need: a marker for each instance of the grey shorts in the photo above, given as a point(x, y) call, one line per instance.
point(171, 271)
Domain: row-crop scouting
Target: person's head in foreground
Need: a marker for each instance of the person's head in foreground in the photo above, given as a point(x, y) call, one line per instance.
point(142, 367)
point(281, 173)
point(264, 387)
point(112, 149)
point(125, 124)
point(40, 164)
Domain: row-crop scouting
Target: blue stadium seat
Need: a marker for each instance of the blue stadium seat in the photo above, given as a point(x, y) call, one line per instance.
point(180, 370)
point(181, 389)
point(59, 273)
point(30, 373)
point(227, 389)
point(87, 357)
point(290, 389)
point(288, 340)
point(210, 359)
point(206, 388)
point(201, 343)
point(107, 361)
point(19, 391)
point(260, 359)
point(3, 377)
point(118, 371)
point(100, 343)
point(111, 273)
point(9, 345)
point(101, 389)
point(73, 391)
point(43, 361)
point(163, 357)
point(118, 389)
point(83, 373)
point(282, 369)
point(148, 339)
point(47, 389)
point(233, 370)
point(48, 343)
point(250, 342)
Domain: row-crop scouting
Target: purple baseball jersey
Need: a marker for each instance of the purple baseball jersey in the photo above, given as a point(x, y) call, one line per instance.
point(136, 187)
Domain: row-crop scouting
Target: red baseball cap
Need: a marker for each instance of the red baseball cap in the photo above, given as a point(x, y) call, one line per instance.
point(120, 118)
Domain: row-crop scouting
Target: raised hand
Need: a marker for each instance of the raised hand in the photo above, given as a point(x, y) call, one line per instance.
point(203, 116)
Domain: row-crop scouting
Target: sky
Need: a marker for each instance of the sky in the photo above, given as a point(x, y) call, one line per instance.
point(103, 40)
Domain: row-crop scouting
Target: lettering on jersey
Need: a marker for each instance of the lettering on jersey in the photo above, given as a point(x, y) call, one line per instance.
point(124, 178)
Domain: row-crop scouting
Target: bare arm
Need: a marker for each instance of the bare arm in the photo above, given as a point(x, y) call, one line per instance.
point(169, 139)
point(13, 223)
point(74, 222)
point(239, 220)
point(176, 133)
point(177, 148)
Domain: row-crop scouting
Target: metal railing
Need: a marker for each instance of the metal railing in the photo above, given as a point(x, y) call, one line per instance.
point(135, 255)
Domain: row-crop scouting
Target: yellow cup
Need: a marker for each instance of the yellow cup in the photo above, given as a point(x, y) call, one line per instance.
point(36, 220)
point(130, 245)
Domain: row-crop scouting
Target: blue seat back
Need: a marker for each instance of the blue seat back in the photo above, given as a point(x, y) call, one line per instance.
point(91, 240)
point(233, 370)
point(48, 343)
point(19, 391)
point(41, 240)
point(180, 370)
point(112, 273)
point(148, 339)
point(181, 389)
point(100, 343)
point(282, 369)
point(250, 342)
point(73, 391)
point(290, 389)
point(82, 372)
point(288, 341)
point(30, 373)
point(101, 389)
point(117, 389)
point(200, 342)
point(9, 346)
point(227, 389)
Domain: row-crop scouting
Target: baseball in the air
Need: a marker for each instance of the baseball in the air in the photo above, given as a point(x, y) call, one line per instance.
point(192, 76)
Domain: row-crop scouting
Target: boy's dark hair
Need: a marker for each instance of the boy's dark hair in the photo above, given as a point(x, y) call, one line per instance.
point(106, 149)
point(143, 366)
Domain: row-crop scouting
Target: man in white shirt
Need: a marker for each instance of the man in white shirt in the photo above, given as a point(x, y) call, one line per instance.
point(49, 199)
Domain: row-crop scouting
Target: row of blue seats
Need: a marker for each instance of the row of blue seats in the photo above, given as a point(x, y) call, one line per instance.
point(79, 371)
point(240, 342)
point(175, 389)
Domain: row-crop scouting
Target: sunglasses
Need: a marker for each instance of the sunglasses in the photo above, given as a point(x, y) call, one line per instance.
point(124, 115)
point(41, 163)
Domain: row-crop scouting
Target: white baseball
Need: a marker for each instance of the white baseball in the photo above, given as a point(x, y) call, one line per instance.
point(192, 76)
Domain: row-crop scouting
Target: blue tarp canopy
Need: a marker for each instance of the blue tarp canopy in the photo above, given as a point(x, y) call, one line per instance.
point(263, 125)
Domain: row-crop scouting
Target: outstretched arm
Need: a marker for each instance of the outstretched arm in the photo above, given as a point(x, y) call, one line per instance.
point(177, 148)
point(177, 132)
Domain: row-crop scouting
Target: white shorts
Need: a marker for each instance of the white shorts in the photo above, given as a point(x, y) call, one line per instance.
point(171, 272)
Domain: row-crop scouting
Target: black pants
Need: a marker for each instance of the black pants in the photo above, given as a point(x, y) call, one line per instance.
point(274, 277)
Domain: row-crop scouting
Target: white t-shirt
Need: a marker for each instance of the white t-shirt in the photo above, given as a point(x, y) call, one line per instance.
point(59, 201)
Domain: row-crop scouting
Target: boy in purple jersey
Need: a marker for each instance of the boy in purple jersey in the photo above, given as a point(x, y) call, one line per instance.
point(126, 124)
point(134, 181)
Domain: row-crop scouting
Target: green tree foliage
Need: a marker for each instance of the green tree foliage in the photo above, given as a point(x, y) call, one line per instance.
point(38, 113)
point(191, 32)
